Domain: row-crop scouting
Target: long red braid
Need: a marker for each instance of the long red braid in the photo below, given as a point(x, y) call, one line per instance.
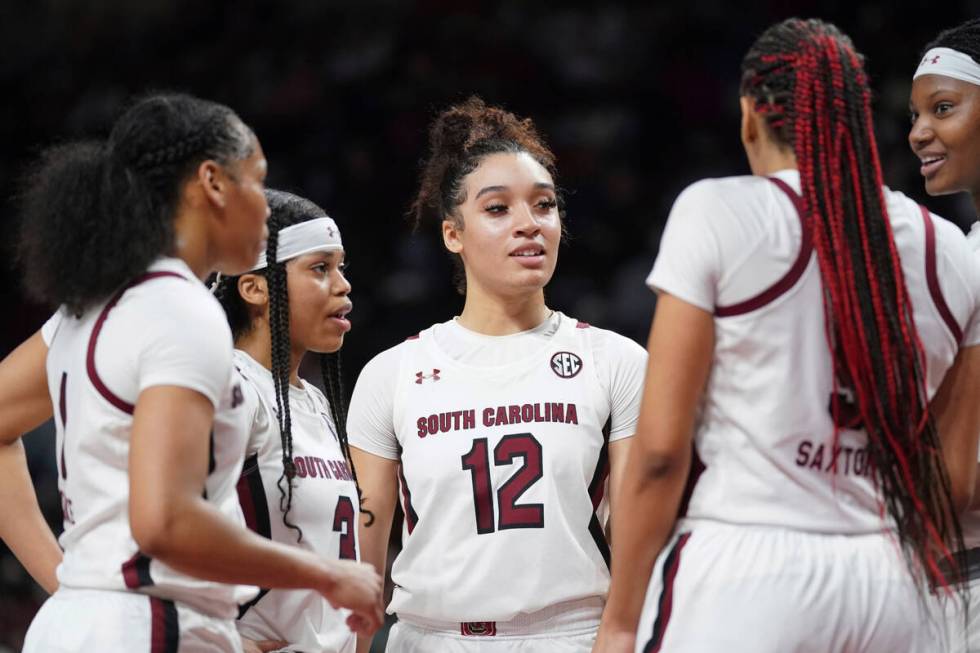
point(807, 79)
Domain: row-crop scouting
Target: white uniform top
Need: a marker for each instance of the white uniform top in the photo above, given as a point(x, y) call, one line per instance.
point(970, 521)
point(733, 247)
point(503, 450)
point(97, 366)
point(325, 506)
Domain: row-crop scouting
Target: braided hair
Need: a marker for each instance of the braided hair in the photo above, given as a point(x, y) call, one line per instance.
point(963, 38)
point(459, 139)
point(808, 81)
point(95, 214)
point(287, 209)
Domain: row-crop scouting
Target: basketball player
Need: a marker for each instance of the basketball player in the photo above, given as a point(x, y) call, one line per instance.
point(945, 135)
point(498, 428)
point(806, 316)
point(297, 486)
point(119, 234)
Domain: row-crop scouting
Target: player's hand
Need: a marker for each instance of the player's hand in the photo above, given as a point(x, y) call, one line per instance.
point(357, 587)
point(611, 641)
point(261, 646)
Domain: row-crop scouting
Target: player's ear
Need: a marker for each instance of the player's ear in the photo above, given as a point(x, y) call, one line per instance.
point(254, 289)
point(450, 235)
point(749, 125)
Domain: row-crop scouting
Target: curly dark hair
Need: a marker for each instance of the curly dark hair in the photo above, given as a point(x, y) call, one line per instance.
point(95, 214)
point(286, 210)
point(963, 38)
point(808, 81)
point(459, 139)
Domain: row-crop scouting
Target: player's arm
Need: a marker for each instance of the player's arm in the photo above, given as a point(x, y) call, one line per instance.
point(171, 521)
point(680, 347)
point(618, 455)
point(378, 478)
point(25, 405)
point(957, 413)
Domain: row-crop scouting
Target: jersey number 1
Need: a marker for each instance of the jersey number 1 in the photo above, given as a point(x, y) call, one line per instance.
point(510, 514)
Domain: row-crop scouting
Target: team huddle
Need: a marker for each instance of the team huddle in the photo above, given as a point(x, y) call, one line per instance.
point(789, 465)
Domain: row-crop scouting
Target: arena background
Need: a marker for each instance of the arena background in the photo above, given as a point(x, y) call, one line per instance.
point(638, 100)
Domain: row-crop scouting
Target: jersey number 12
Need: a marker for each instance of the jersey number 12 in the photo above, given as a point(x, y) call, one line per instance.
point(510, 514)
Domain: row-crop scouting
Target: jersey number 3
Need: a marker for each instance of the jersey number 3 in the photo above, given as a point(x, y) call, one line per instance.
point(510, 514)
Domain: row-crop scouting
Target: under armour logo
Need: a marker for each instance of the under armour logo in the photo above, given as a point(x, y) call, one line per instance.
point(331, 232)
point(237, 397)
point(421, 376)
point(934, 60)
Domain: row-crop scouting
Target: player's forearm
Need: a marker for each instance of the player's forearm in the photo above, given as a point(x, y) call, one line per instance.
point(22, 526)
point(196, 538)
point(650, 493)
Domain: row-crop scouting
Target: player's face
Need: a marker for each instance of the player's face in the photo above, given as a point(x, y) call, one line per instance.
point(945, 133)
point(318, 301)
point(247, 211)
point(511, 228)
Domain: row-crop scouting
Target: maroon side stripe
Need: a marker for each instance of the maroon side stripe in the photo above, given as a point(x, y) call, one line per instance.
point(136, 571)
point(596, 489)
point(666, 603)
point(251, 497)
point(697, 468)
point(255, 507)
point(164, 627)
point(789, 280)
point(93, 374)
point(64, 422)
point(411, 517)
point(933, 280)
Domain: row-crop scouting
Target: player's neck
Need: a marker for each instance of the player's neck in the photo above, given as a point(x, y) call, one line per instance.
point(257, 344)
point(501, 316)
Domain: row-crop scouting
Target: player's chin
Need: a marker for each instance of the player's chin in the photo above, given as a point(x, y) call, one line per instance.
point(327, 344)
point(942, 184)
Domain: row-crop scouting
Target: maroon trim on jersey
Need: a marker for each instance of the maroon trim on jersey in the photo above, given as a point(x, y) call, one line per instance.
point(136, 571)
point(164, 626)
point(415, 337)
point(697, 468)
point(789, 280)
point(932, 279)
point(411, 517)
point(64, 421)
point(666, 602)
point(582, 325)
point(251, 497)
point(93, 374)
point(596, 489)
point(255, 508)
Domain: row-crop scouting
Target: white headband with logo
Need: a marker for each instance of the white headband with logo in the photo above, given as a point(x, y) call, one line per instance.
point(316, 235)
point(949, 63)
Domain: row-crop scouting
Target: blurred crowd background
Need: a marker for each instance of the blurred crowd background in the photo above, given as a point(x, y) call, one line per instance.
point(637, 99)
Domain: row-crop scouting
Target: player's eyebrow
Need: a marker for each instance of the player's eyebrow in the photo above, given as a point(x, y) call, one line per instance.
point(497, 189)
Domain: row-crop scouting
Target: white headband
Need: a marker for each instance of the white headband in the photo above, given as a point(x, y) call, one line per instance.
point(316, 235)
point(949, 63)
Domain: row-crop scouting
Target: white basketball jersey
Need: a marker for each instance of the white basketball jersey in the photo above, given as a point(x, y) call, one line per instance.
point(324, 506)
point(162, 329)
point(503, 467)
point(735, 247)
point(970, 521)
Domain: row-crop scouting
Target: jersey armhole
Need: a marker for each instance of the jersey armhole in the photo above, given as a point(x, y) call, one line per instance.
point(932, 278)
point(792, 276)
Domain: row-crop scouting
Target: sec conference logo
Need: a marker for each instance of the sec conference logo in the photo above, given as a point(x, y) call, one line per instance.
point(566, 364)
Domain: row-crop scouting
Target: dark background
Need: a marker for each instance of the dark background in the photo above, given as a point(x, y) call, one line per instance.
point(637, 99)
